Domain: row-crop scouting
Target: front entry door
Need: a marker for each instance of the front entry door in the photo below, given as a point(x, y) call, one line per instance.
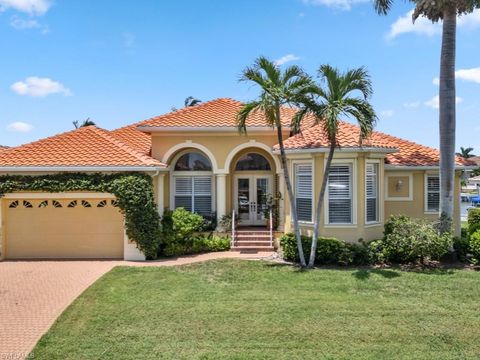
point(252, 192)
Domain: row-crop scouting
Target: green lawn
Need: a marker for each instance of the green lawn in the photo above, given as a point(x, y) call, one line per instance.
point(234, 309)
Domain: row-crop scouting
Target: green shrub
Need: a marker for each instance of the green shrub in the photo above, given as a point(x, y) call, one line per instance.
point(410, 240)
point(376, 252)
point(473, 220)
point(217, 243)
point(475, 246)
point(461, 245)
point(178, 229)
point(330, 251)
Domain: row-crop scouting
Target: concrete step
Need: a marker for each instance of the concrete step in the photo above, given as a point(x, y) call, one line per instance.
point(252, 248)
point(252, 243)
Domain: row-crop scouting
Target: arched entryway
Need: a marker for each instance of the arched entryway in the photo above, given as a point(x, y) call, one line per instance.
point(254, 186)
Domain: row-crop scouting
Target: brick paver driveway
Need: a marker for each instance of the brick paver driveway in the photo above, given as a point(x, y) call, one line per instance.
point(34, 293)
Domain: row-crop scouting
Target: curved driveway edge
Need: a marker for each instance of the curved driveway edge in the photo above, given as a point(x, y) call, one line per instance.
point(34, 293)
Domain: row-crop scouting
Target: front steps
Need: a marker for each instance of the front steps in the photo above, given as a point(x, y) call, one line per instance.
point(252, 240)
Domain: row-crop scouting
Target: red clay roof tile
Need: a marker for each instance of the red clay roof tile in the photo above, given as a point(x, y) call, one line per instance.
point(84, 147)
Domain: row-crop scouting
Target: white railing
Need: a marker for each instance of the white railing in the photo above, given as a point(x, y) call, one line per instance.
point(233, 230)
point(271, 228)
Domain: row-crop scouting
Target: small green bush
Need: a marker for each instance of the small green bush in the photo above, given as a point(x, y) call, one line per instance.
point(461, 245)
point(330, 251)
point(376, 252)
point(473, 220)
point(475, 246)
point(410, 240)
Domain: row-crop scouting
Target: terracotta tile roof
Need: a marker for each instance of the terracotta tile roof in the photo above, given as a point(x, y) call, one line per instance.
point(3, 147)
point(134, 138)
point(407, 152)
point(475, 160)
point(84, 147)
point(216, 113)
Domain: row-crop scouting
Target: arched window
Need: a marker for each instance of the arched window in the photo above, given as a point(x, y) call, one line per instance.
point(252, 162)
point(192, 183)
point(193, 162)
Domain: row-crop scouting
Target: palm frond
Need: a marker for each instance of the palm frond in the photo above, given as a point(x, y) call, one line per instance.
point(242, 116)
point(382, 7)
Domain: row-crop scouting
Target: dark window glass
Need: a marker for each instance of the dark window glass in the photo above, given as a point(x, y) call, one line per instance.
point(252, 162)
point(193, 162)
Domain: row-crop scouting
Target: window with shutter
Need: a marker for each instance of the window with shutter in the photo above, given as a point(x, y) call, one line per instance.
point(304, 191)
point(433, 193)
point(194, 193)
point(340, 194)
point(371, 195)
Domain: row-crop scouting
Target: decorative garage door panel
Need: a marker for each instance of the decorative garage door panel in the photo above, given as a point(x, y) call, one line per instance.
point(63, 228)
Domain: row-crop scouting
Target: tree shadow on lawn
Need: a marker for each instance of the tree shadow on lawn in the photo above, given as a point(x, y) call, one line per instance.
point(364, 274)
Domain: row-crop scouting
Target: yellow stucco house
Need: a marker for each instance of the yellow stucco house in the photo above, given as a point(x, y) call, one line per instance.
point(199, 161)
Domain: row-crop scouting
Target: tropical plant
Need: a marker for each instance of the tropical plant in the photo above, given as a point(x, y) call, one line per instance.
point(446, 10)
point(277, 88)
point(86, 122)
point(465, 153)
point(335, 96)
point(191, 101)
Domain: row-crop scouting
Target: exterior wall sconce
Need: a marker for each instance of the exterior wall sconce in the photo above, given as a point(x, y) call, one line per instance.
point(399, 185)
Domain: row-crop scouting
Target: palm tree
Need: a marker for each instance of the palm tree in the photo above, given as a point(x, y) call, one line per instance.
point(191, 101)
point(446, 10)
point(465, 153)
point(86, 122)
point(277, 88)
point(334, 97)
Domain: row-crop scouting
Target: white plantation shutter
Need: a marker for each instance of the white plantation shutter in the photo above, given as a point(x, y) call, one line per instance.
point(202, 201)
point(340, 194)
point(194, 193)
point(371, 188)
point(304, 191)
point(433, 193)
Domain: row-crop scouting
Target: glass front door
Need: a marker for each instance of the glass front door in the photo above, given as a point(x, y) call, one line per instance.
point(251, 199)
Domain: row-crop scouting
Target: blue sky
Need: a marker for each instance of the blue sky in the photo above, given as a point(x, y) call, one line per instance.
point(119, 62)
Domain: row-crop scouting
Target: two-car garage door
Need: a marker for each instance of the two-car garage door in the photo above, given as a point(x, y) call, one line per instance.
point(62, 228)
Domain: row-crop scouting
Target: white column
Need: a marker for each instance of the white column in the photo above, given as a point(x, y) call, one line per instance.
point(160, 193)
point(281, 203)
point(221, 195)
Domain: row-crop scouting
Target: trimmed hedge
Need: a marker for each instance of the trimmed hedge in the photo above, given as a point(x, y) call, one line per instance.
point(330, 251)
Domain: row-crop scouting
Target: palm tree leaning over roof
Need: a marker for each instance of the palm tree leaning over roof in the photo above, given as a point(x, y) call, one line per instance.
point(465, 153)
point(446, 10)
point(277, 88)
point(86, 122)
point(334, 97)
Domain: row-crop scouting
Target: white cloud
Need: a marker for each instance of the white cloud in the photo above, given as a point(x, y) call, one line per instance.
point(19, 126)
point(19, 23)
point(31, 7)
point(412, 105)
point(39, 87)
point(423, 26)
point(434, 102)
point(128, 39)
point(336, 4)
point(285, 59)
point(386, 113)
point(471, 75)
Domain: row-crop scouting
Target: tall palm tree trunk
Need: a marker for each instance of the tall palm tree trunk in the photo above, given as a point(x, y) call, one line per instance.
point(318, 209)
point(288, 184)
point(447, 119)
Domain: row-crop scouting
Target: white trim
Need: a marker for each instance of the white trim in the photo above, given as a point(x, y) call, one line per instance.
point(80, 168)
point(293, 181)
point(379, 207)
point(404, 167)
point(62, 195)
point(410, 186)
point(189, 144)
point(340, 150)
point(209, 129)
point(425, 193)
point(247, 145)
point(354, 177)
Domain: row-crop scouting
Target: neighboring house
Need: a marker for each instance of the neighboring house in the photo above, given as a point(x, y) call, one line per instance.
point(476, 160)
point(474, 182)
point(199, 161)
